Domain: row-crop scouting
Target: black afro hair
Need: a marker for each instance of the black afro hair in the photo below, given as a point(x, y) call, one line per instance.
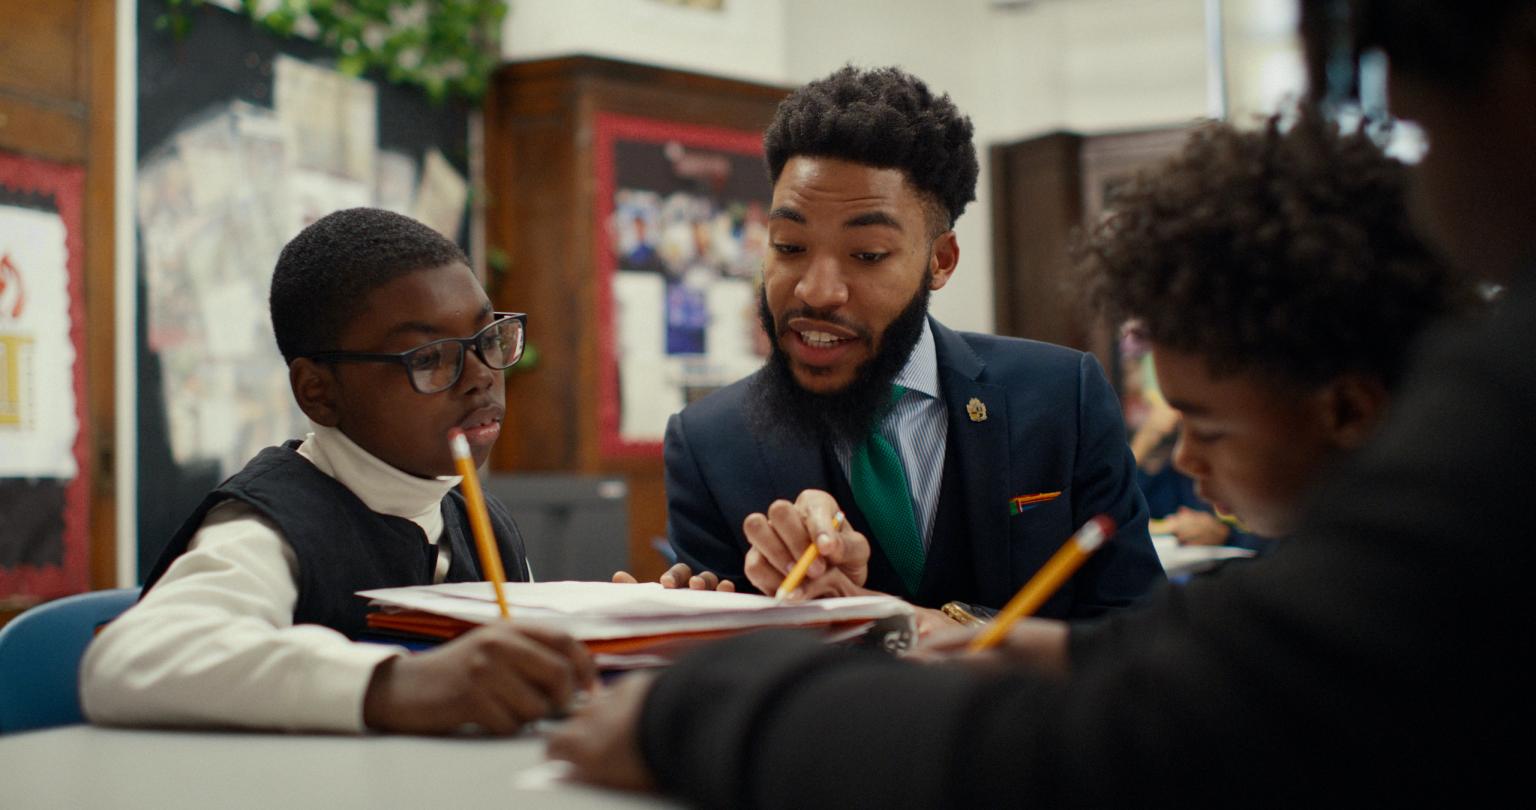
point(1282, 250)
point(884, 118)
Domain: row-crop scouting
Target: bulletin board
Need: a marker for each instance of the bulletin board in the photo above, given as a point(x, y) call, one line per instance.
point(243, 138)
point(45, 469)
point(683, 210)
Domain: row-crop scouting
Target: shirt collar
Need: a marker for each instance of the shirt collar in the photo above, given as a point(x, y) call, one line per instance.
point(921, 373)
point(380, 486)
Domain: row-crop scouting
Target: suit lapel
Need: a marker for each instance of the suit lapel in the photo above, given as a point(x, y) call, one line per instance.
point(982, 449)
point(983, 456)
point(794, 467)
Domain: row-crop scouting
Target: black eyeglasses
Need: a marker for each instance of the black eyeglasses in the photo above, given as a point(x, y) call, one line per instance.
point(437, 366)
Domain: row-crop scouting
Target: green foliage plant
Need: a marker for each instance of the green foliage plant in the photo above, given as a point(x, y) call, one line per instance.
point(446, 47)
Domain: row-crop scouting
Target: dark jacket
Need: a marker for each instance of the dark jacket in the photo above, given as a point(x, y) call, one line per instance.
point(1052, 424)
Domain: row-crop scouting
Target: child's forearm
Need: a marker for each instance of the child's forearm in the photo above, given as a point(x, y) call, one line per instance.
point(213, 645)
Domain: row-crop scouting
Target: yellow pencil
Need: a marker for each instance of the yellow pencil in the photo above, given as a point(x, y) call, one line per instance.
point(1046, 581)
point(797, 574)
point(479, 519)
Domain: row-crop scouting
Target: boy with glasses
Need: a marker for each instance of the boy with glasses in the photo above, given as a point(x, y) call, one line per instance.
point(249, 618)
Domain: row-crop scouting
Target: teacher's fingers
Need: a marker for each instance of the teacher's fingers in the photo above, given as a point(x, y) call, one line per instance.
point(819, 510)
point(766, 533)
point(676, 577)
point(763, 576)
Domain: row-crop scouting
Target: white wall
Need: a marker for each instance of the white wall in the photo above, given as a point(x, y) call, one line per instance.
point(744, 40)
point(1018, 69)
point(1265, 69)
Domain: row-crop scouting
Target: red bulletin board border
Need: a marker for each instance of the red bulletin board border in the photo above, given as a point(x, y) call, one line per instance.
point(611, 128)
point(66, 185)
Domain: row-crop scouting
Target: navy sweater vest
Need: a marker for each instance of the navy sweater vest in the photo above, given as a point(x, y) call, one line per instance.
point(342, 546)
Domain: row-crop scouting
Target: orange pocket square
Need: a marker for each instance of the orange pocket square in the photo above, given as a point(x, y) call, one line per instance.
point(1020, 503)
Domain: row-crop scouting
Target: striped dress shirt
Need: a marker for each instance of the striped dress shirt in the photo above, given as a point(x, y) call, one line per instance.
point(918, 427)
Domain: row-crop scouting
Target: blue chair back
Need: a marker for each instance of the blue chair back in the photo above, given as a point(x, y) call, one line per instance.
point(40, 654)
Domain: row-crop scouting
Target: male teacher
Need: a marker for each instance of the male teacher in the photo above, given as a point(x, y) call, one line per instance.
point(1371, 661)
point(966, 460)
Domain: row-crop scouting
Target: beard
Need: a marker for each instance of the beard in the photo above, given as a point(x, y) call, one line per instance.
point(779, 404)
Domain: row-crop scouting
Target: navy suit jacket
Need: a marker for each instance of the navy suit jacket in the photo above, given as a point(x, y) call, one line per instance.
point(1052, 424)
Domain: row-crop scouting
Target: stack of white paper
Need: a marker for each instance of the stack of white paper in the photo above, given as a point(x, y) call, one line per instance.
point(591, 611)
point(1180, 559)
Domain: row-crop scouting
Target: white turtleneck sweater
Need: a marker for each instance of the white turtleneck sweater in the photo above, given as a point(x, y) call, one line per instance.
point(213, 643)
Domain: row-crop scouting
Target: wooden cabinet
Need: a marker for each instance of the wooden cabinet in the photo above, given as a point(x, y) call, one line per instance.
point(542, 229)
point(1044, 191)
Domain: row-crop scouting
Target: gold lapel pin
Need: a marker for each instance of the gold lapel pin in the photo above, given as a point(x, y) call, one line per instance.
point(976, 410)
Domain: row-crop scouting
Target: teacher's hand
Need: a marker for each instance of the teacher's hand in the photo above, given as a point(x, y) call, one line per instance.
point(780, 536)
point(680, 575)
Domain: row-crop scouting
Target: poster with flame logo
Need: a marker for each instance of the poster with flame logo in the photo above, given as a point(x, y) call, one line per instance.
point(44, 477)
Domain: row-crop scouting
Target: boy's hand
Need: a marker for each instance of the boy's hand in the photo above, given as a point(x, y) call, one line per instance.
point(681, 575)
point(1037, 644)
point(497, 677)
point(779, 537)
point(1195, 528)
point(602, 741)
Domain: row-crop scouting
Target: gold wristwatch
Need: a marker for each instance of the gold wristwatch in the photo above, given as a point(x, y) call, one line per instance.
point(967, 614)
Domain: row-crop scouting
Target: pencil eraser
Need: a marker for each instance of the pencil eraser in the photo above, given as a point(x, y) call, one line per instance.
point(457, 443)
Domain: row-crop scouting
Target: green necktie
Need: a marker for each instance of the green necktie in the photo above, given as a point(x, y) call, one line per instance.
point(880, 489)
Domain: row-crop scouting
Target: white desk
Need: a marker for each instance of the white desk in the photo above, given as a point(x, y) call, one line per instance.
point(86, 767)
